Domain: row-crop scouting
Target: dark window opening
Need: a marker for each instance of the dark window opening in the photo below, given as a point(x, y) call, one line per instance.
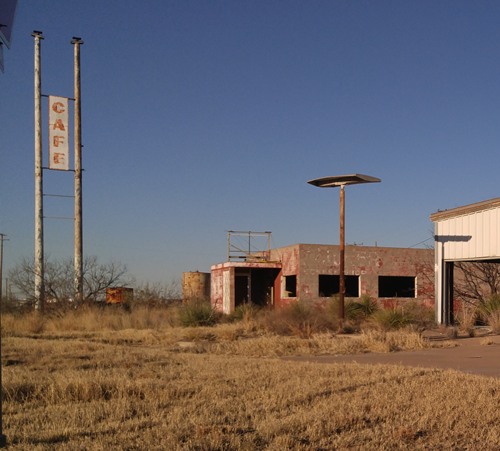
point(396, 287)
point(329, 285)
point(291, 286)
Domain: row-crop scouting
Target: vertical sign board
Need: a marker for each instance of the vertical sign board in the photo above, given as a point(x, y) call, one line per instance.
point(58, 133)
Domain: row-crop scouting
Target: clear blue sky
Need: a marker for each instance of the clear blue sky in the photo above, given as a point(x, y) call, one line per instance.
point(205, 116)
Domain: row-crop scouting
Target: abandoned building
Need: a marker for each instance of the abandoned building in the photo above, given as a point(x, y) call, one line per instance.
point(468, 233)
point(310, 273)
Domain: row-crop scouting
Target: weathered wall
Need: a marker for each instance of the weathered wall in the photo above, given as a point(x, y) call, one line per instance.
point(217, 287)
point(308, 261)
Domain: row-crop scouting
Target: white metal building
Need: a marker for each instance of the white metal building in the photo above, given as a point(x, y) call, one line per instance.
point(468, 233)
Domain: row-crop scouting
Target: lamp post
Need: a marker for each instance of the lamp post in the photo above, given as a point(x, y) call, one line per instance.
point(341, 181)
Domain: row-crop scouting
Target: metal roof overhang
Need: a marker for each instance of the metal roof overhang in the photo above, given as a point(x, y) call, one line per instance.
point(465, 210)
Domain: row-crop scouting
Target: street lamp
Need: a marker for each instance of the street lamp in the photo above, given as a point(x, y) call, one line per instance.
point(341, 181)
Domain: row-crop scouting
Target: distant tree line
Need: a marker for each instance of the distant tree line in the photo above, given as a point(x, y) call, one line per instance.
point(59, 276)
point(59, 285)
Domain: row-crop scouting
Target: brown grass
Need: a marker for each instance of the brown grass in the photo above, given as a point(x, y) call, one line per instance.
point(163, 387)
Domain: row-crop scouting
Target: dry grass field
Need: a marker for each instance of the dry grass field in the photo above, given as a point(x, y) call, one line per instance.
point(112, 380)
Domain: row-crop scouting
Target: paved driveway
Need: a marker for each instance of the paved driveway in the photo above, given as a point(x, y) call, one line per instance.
point(471, 355)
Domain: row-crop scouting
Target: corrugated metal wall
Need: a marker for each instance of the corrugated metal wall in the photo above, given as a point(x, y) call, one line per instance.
point(471, 236)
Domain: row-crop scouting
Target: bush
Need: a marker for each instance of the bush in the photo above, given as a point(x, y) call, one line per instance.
point(368, 305)
point(197, 313)
point(419, 314)
point(489, 311)
point(390, 319)
point(466, 318)
point(245, 312)
point(299, 319)
point(359, 310)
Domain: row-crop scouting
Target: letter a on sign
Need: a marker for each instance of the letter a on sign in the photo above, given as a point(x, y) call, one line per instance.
point(58, 133)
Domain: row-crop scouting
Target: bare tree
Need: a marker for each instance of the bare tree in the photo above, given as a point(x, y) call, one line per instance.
point(97, 277)
point(158, 293)
point(59, 279)
point(476, 281)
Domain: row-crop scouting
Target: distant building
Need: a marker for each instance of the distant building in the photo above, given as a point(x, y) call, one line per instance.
point(310, 273)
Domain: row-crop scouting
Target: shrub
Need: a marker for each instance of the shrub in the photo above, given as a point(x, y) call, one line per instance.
point(245, 312)
point(490, 304)
point(359, 310)
point(419, 314)
point(489, 312)
point(368, 305)
point(353, 311)
point(390, 319)
point(197, 313)
point(299, 319)
point(466, 318)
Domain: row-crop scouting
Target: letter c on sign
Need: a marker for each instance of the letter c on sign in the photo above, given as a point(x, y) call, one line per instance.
point(58, 107)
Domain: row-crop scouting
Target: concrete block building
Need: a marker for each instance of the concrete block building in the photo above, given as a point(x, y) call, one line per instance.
point(310, 273)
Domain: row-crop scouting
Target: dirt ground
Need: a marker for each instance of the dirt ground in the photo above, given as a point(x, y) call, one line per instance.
point(478, 355)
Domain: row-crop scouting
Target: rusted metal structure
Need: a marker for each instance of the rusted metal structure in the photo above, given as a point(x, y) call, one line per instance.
point(248, 245)
point(119, 295)
point(467, 233)
point(311, 273)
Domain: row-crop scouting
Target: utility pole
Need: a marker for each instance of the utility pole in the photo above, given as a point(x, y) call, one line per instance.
point(3, 439)
point(39, 254)
point(78, 176)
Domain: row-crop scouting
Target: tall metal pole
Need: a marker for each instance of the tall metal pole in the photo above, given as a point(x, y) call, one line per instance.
point(39, 257)
point(340, 181)
point(78, 177)
point(2, 238)
point(342, 258)
point(3, 439)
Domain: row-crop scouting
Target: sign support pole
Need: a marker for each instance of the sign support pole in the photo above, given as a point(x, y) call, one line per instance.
point(39, 257)
point(78, 177)
point(3, 438)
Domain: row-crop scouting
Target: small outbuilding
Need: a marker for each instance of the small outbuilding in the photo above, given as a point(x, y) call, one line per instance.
point(468, 233)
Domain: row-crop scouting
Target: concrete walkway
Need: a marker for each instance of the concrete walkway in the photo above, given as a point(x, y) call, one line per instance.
point(479, 355)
